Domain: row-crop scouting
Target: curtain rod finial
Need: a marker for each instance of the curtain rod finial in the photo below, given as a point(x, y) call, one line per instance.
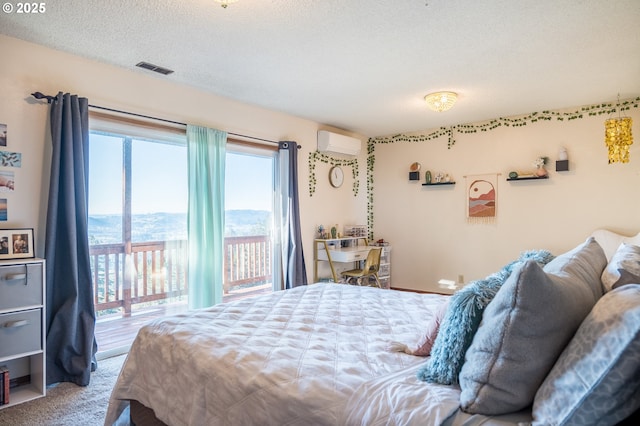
point(39, 95)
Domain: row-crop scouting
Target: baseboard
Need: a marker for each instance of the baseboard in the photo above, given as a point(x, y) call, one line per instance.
point(112, 352)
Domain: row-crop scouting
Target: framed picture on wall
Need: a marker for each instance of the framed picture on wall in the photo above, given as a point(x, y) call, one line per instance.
point(16, 243)
point(3, 134)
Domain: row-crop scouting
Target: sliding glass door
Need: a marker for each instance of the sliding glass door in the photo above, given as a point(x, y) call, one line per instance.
point(138, 229)
point(137, 233)
point(249, 247)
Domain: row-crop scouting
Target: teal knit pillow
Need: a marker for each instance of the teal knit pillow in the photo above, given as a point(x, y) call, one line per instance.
point(463, 318)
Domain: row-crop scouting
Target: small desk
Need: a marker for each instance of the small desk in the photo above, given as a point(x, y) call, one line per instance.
point(332, 250)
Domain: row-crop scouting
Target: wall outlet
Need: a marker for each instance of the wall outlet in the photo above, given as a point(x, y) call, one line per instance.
point(450, 284)
point(460, 279)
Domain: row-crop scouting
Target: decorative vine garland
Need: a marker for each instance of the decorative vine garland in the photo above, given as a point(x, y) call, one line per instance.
point(324, 158)
point(534, 117)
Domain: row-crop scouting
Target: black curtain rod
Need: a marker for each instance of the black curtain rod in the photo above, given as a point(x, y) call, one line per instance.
point(50, 99)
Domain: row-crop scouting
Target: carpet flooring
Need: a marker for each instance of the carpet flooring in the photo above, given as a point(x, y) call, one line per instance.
point(67, 404)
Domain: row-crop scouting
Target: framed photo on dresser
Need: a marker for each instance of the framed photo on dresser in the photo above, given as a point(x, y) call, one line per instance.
point(16, 243)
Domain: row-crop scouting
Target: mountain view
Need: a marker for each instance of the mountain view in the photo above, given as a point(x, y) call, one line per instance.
point(107, 229)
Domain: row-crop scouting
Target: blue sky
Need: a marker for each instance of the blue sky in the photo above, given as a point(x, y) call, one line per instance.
point(160, 178)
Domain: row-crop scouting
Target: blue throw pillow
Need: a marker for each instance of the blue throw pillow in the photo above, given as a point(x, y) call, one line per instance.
point(463, 318)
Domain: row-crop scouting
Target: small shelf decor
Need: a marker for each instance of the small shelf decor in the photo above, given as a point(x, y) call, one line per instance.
point(414, 171)
point(540, 162)
point(525, 176)
point(562, 163)
point(439, 179)
point(539, 173)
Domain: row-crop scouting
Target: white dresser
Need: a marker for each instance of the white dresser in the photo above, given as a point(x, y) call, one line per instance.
point(22, 328)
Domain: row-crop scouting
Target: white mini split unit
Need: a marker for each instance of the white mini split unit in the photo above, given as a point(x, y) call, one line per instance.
point(341, 144)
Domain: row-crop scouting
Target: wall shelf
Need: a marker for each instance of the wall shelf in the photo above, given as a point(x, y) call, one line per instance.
point(438, 183)
point(528, 178)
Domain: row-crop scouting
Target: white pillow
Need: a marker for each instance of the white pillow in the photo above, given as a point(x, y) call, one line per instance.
point(624, 267)
point(609, 241)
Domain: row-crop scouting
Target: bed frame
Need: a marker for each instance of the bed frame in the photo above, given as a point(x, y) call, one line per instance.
point(141, 415)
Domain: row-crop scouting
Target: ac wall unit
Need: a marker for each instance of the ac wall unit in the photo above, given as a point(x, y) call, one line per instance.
point(341, 144)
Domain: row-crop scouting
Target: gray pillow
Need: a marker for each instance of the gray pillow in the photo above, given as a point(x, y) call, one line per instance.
point(462, 319)
point(525, 328)
point(596, 380)
point(624, 267)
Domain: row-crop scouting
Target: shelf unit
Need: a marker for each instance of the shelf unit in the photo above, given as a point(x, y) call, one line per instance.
point(22, 339)
point(384, 273)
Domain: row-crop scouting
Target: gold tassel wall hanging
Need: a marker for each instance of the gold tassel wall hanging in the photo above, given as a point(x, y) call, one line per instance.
point(618, 137)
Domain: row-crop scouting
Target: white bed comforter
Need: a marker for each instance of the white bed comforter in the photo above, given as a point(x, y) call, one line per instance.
point(314, 355)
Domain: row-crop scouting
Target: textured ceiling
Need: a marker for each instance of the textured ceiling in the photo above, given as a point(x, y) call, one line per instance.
point(364, 65)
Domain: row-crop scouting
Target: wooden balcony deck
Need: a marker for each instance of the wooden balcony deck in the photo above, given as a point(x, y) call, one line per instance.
point(137, 282)
point(115, 333)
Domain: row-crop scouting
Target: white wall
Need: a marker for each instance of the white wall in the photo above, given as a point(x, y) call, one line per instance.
point(27, 68)
point(427, 226)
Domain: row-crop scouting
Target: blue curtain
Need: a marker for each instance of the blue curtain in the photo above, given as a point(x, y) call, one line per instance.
point(71, 344)
point(206, 151)
point(292, 257)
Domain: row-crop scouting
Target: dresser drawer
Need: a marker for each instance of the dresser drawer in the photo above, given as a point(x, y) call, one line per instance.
point(20, 332)
point(384, 270)
point(20, 286)
point(346, 254)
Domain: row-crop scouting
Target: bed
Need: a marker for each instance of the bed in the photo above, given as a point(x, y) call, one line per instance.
point(327, 354)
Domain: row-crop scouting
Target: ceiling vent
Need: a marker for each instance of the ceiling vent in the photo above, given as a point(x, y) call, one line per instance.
point(154, 68)
point(341, 144)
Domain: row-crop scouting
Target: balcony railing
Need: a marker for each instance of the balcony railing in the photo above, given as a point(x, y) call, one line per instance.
point(156, 271)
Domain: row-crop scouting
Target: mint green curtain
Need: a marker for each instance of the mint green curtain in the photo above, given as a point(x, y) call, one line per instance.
point(206, 151)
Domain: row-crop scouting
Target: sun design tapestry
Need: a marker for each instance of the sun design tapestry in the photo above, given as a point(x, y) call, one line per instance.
point(482, 197)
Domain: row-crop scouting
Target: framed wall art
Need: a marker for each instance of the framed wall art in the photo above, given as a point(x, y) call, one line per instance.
point(3, 134)
point(16, 243)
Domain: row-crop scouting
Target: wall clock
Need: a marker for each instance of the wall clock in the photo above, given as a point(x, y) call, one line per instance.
point(336, 176)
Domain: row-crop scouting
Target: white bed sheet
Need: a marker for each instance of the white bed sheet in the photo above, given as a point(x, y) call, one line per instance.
point(400, 399)
point(290, 358)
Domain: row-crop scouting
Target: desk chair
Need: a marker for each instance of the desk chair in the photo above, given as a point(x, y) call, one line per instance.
point(370, 269)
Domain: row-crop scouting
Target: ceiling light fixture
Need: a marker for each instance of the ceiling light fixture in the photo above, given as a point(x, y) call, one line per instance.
point(441, 101)
point(225, 3)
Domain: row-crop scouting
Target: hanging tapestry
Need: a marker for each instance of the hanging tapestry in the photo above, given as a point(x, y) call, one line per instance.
point(482, 198)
